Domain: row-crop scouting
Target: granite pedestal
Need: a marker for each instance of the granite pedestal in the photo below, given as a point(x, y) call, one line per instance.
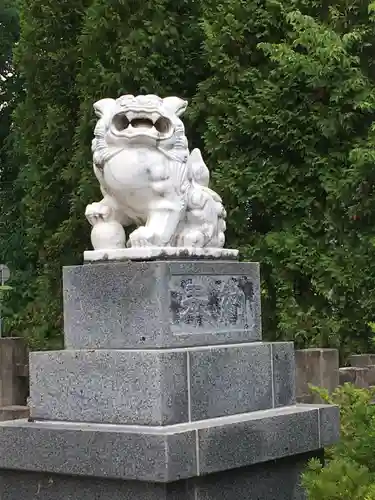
point(130, 305)
point(164, 391)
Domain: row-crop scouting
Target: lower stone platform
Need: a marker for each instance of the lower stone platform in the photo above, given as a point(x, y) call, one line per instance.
point(274, 480)
point(170, 453)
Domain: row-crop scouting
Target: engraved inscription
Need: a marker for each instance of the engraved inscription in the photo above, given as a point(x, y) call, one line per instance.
point(212, 302)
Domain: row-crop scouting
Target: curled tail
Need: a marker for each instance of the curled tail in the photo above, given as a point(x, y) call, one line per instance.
point(204, 225)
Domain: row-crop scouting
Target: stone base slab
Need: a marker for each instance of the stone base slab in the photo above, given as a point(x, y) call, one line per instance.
point(166, 454)
point(160, 253)
point(277, 479)
point(128, 305)
point(161, 386)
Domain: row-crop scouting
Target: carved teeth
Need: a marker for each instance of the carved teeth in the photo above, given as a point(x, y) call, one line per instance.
point(138, 121)
point(130, 115)
point(142, 119)
point(135, 129)
point(155, 117)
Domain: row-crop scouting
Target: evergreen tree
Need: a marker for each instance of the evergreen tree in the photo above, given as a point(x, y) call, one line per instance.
point(284, 101)
point(291, 104)
point(133, 48)
point(44, 122)
point(11, 92)
point(70, 55)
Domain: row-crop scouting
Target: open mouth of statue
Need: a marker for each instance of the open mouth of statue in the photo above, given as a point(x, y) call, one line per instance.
point(133, 124)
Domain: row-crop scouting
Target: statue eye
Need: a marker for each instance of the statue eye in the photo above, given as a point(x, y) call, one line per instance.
point(163, 125)
point(120, 122)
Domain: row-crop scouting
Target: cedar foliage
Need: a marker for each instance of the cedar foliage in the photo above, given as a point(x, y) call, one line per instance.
point(157, 50)
point(10, 89)
point(71, 54)
point(282, 104)
point(11, 93)
point(44, 122)
point(291, 103)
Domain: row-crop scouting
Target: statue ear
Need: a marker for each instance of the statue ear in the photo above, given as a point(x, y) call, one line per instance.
point(175, 105)
point(104, 106)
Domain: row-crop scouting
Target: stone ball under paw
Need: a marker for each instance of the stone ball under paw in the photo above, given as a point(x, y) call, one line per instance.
point(107, 235)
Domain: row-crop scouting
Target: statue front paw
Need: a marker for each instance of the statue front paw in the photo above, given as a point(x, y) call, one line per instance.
point(98, 212)
point(142, 237)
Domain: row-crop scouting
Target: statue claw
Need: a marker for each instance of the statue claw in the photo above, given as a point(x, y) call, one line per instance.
point(142, 237)
point(97, 212)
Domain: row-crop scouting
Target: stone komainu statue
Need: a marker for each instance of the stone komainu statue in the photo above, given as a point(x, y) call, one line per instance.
point(149, 178)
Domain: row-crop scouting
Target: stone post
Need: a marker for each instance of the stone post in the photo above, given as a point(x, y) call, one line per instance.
point(165, 390)
point(13, 378)
point(361, 371)
point(361, 360)
point(317, 367)
point(355, 375)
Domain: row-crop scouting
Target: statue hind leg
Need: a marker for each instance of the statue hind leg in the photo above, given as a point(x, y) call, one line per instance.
point(204, 222)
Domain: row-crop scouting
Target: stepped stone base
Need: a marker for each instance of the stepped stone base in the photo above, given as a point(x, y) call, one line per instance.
point(164, 392)
point(170, 453)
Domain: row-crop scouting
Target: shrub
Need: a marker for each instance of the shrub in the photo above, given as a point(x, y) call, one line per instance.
point(349, 472)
